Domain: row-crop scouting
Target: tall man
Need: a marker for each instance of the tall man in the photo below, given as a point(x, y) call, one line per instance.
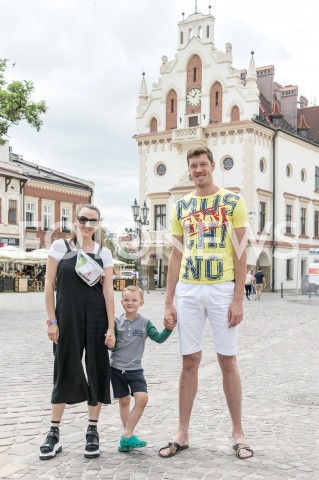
point(206, 273)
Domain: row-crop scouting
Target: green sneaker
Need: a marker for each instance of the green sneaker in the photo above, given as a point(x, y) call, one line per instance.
point(127, 444)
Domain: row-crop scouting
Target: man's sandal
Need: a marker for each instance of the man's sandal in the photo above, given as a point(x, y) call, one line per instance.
point(242, 446)
point(174, 448)
point(127, 444)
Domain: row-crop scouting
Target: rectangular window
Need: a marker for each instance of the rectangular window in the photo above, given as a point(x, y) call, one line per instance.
point(262, 216)
point(172, 105)
point(47, 217)
point(316, 224)
point(193, 121)
point(12, 213)
point(65, 219)
point(289, 269)
point(303, 221)
point(216, 99)
point(194, 75)
point(288, 218)
point(30, 214)
point(160, 217)
point(317, 178)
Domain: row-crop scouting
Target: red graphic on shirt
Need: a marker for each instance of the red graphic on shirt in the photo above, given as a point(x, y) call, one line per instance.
point(216, 216)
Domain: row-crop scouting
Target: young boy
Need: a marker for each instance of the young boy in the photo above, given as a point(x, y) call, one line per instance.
point(131, 331)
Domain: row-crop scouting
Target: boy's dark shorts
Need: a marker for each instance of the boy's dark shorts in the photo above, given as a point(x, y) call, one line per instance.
point(128, 382)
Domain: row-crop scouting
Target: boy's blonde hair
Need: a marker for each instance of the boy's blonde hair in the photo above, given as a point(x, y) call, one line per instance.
point(133, 288)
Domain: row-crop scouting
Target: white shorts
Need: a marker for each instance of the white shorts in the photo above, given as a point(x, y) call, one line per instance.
point(195, 303)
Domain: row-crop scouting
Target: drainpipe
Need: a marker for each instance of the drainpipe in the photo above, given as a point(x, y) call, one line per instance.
point(273, 209)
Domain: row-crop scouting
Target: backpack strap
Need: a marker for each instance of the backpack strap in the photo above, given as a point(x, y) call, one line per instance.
point(67, 245)
point(99, 250)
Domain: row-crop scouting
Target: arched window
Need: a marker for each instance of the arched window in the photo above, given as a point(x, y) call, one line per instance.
point(200, 32)
point(190, 33)
point(216, 103)
point(171, 110)
point(235, 115)
point(153, 125)
point(182, 38)
point(194, 81)
point(207, 31)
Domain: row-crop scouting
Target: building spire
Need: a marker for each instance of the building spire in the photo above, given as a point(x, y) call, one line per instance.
point(252, 74)
point(195, 6)
point(143, 90)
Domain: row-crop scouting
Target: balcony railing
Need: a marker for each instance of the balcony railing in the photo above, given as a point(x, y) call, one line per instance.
point(191, 134)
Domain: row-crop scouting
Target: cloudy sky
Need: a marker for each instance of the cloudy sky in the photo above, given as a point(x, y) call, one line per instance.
point(86, 58)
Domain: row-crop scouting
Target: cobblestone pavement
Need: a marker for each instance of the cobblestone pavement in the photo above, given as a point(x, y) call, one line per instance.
point(278, 359)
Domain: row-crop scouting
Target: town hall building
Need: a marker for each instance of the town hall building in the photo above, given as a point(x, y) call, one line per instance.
point(265, 143)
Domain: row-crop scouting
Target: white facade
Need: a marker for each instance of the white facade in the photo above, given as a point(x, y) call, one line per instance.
point(11, 201)
point(259, 154)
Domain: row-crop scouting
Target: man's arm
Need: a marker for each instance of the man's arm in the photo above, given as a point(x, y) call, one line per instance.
point(235, 312)
point(174, 266)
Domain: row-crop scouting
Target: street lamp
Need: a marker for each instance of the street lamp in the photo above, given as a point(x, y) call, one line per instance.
point(140, 215)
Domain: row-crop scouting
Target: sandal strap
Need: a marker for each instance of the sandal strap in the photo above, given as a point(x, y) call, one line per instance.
point(92, 436)
point(51, 440)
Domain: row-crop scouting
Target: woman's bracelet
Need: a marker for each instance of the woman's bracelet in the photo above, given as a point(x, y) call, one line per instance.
point(50, 322)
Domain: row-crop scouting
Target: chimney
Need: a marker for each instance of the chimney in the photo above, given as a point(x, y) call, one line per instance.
point(265, 80)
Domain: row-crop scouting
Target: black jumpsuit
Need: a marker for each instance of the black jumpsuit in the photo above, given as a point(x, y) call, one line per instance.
point(82, 320)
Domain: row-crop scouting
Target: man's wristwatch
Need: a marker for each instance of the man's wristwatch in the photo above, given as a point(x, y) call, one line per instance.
point(50, 322)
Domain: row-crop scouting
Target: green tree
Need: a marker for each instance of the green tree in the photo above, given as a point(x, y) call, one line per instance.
point(16, 104)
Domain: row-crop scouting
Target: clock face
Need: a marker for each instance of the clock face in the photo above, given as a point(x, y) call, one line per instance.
point(194, 97)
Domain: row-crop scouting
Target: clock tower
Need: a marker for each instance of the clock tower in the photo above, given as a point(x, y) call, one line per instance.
point(199, 99)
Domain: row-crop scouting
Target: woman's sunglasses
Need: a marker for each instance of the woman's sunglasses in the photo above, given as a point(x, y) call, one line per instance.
point(93, 222)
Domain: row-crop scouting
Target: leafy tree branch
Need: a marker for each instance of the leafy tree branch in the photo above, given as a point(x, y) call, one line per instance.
point(16, 104)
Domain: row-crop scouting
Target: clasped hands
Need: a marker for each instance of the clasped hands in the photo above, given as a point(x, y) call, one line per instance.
point(170, 318)
point(110, 339)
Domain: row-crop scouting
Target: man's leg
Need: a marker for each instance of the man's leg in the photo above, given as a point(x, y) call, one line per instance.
point(188, 385)
point(258, 292)
point(233, 393)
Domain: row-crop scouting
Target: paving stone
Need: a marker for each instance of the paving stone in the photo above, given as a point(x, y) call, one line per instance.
point(278, 345)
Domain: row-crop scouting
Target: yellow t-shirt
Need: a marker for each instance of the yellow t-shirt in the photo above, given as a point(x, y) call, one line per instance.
point(206, 224)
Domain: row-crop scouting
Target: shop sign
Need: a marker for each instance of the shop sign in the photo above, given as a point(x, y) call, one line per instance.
point(5, 241)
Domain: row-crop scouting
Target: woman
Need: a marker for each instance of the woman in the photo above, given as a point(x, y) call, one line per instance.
point(248, 284)
point(82, 319)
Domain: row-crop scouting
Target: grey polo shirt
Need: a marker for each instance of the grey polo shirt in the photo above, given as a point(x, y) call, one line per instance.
point(130, 341)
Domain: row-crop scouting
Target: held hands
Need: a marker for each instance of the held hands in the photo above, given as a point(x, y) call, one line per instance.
point(170, 318)
point(110, 339)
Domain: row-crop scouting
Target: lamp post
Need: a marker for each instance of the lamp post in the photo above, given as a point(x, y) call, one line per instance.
point(140, 215)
